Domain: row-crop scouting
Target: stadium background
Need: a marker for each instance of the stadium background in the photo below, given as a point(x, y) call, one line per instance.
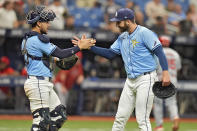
point(98, 94)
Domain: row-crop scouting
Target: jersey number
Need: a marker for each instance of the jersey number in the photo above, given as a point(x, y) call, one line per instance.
point(171, 64)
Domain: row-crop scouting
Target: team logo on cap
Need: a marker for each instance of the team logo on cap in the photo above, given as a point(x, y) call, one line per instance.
point(116, 14)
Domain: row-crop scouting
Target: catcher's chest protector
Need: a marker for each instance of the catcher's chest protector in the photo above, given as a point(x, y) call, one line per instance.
point(47, 61)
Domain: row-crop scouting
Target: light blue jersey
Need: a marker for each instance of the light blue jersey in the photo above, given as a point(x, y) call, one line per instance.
point(37, 48)
point(136, 51)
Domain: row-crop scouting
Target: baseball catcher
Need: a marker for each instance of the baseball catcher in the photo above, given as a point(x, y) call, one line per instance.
point(47, 111)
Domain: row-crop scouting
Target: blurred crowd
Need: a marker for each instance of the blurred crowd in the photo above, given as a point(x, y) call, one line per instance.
point(162, 16)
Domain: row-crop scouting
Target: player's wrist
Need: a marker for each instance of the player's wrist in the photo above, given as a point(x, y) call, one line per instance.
point(80, 47)
point(165, 72)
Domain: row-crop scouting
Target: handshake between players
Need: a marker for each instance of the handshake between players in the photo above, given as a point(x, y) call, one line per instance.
point(83, 43)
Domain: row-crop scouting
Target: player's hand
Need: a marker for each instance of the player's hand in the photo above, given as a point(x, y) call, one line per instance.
point(86, 43)
point(83, 43)
point(76, 40)
point(165, 78)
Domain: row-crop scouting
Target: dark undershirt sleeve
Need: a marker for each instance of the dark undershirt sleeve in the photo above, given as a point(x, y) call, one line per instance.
point(63, 53)
point(107, 53)
point(162, 58)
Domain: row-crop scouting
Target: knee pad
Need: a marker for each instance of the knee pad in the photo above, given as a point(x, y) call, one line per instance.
point(35, 127)
point(58, 117)
point(41, 115)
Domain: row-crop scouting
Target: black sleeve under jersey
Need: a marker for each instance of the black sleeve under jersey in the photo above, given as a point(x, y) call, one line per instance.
point(63, 53)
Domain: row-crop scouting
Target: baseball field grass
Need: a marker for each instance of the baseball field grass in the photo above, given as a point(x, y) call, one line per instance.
point(89, 125)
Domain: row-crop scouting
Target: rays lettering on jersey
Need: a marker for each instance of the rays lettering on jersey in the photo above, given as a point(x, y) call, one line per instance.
point(134, 42)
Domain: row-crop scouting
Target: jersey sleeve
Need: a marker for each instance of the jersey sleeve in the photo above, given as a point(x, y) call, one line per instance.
point(150, 39)
point(115, 47)
point(47, 48)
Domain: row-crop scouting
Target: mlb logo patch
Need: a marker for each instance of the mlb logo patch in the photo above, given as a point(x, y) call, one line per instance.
point(155, 43)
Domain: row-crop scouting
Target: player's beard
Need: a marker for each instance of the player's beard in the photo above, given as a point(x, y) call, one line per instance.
point(124, 28)
point(43, 31)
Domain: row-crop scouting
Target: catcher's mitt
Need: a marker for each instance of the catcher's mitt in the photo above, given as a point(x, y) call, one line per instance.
point(163, 91)
point(67, 63)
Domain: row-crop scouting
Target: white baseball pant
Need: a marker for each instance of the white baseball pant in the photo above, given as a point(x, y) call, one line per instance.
point(41, 95)
point(137, 93)
point(172, 108)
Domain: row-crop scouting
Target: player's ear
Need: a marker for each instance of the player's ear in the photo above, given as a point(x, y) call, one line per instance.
point(38, 24)
point(127, 22)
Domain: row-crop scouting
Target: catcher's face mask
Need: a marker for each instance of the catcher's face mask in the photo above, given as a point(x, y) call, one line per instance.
point(40, 14)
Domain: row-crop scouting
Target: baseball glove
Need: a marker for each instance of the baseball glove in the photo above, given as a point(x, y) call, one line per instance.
point(163, 91)
point(67, 63)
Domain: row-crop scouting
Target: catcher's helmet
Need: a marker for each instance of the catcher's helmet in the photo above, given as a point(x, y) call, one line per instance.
point(165, 40)
point(40, 14)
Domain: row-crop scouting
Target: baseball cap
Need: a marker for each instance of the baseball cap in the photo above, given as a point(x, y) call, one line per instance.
point(123, 14)
point(165, 40)
point(5, 59)
point(19, 2)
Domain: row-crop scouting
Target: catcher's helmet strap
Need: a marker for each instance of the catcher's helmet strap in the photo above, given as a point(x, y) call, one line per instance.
point(31, 21)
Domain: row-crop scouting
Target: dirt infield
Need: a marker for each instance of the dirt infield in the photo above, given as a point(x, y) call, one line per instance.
point(81, 118)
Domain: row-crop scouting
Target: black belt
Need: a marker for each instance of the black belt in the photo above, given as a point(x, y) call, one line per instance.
point(146, 73)
point(40, 77)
